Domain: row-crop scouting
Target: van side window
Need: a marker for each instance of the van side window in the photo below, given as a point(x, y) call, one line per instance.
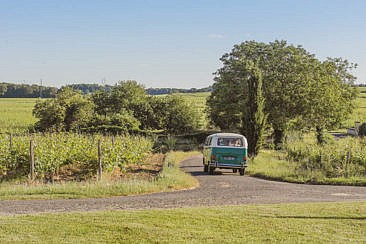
point(206, 141)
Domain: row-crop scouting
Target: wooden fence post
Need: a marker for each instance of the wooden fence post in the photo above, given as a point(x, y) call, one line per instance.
point(113, 140)
point(11, 141)
point(100, 169)
point(31, 159)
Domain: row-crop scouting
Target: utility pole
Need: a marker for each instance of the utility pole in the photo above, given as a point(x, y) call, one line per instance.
point(40, 89)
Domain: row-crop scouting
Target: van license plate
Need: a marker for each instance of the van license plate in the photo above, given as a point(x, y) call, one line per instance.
point(229, 158)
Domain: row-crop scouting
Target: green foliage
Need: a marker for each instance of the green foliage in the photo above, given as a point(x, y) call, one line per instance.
point(178, 115)
point(295, 86)
point(275, 165)
point(170, 142)
point(254, 119)
point(170, 113)
point(330, 96)
point(51, 115)
point(52, 151)
point(225, 103)
point(362, 130)
point(69, 111)
point(342, 158)
point(124, 120)
point(9, 90)
point(89, 88)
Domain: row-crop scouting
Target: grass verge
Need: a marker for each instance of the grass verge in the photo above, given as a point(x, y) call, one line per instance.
point(171, 178)
point(272, 165)
point(292, 223)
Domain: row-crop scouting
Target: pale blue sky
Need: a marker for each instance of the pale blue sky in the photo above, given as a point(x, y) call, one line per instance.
point(164, 43)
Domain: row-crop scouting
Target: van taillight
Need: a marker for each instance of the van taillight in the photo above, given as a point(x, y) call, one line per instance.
point(213, 157)
point(245, 158)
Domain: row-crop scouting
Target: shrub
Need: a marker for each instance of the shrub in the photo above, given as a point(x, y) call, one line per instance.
point(362, 130)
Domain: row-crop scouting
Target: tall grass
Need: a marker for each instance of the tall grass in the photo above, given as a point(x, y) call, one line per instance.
point(338, 158)
point(340, 161)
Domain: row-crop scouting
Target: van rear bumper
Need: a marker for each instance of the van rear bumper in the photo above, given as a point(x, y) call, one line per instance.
point(228, 166)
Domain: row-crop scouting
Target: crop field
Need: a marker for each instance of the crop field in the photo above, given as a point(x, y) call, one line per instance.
point(16, 114)
point(53, 152)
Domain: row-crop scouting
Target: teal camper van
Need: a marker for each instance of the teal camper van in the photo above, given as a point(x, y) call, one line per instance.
point(225, 151)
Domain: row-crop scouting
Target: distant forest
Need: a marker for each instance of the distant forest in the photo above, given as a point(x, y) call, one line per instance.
point(10, 90)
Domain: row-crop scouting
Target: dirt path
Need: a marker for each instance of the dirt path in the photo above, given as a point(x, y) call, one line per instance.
point(224, 188)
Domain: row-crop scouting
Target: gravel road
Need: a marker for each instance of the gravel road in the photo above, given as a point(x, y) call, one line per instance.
point(223, 188)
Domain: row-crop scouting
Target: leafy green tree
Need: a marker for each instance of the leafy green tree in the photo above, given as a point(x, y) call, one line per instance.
point(123, 121)
point(70, 110)
point(128, 95)
point(286, 72)
point(50, 114)
point(102, 102)
point(225, 103)
point(177, 116)
point(330, 96)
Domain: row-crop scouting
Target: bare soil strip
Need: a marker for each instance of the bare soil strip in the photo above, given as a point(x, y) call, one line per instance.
point(223, 188)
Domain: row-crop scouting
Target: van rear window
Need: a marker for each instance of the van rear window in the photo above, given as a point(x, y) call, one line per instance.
point(230, 142)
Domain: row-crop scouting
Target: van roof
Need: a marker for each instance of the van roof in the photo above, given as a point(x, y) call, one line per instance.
point(227, 135)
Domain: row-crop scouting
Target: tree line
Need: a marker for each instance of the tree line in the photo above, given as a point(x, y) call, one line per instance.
point(278, 86)
point(162, 91)
point(10, 90)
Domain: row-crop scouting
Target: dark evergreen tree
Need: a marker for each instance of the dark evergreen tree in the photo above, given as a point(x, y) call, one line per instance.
point(254, 118)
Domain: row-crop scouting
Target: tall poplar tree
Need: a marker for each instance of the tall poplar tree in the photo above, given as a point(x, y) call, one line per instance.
point(253, 117)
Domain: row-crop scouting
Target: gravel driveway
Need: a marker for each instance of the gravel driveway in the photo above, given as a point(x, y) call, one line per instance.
point(224, 188)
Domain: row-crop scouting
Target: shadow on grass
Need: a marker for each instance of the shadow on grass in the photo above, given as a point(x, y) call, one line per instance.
point(320, 217)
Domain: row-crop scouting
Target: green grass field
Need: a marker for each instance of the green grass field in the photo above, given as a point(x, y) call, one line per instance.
point(290, 223)
point(16, 114)
point(359, 113)
point(198, 101)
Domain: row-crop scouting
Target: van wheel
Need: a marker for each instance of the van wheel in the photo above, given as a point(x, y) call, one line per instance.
point(211, 170)
point(241, 171)
point(205, 168)
point(235, 170)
